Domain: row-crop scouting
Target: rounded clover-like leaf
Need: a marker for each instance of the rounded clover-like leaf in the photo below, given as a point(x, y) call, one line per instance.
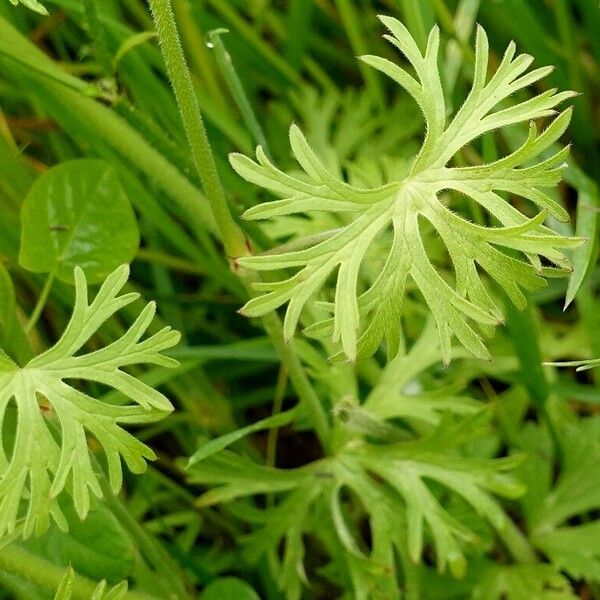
point(511, 253)
point(228, 588)
point(78, 214)
point(45, 418)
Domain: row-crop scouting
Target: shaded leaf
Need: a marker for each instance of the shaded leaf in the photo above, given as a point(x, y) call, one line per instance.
point(228, 588)
point(220, 443)
point(77, 214)
point(97, 548)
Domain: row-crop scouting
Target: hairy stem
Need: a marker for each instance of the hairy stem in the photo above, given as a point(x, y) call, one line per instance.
point(232, 236)
point(164, 19)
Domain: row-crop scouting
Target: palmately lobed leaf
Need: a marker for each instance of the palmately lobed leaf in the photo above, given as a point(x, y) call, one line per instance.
point(404, 462)
point(512, 253)
point(51, 417)
point(396, 483)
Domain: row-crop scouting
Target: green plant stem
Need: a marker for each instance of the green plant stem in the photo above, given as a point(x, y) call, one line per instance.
point(169, 575)
point(32, 568)
point(41, 302)
point(298, 377)
point(517, 544)
point(231, 235)
point(277, 405)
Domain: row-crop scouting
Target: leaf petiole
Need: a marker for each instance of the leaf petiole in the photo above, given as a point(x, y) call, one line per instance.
point(41, 302)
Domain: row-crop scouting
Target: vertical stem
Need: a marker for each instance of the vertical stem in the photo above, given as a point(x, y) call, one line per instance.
point(167, 570)
point(39, 306)
point(231, 235)
point(298, 377)
point(277, 405)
